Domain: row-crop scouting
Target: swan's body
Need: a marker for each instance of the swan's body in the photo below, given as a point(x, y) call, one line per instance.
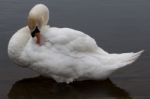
point(62, 53)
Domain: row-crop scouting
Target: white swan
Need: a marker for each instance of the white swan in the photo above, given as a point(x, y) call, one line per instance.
point(62, 53)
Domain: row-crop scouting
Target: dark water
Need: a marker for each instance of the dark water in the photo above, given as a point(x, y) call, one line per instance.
point(117, 25)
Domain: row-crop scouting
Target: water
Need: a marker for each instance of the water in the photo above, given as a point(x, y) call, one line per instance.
point(117, 25)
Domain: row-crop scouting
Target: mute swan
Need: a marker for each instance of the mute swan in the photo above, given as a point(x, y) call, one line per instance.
point(62, 53)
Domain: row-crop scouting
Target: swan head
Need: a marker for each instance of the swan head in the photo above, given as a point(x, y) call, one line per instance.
point(37, 18)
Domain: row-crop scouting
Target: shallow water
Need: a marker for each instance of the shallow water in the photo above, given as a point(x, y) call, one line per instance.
point(117, 25)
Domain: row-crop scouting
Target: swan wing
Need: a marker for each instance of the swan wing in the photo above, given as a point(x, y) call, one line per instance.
point(73, 41)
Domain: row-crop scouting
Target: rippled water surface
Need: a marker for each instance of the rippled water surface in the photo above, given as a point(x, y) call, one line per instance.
point(117, 25)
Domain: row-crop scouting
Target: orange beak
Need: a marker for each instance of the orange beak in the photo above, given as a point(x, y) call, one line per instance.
point(36, 33)
point(38, 38)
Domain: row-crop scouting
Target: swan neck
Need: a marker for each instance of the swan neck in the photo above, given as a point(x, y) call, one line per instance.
point(17, 43)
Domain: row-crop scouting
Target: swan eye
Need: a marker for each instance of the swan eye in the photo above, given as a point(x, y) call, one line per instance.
point(36, 30)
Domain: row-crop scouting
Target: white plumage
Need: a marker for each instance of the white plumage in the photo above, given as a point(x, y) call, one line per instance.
point(64, 54)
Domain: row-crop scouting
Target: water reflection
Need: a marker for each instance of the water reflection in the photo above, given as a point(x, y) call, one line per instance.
point(44, 88)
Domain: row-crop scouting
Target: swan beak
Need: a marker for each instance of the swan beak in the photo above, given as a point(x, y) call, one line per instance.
point(36, 33)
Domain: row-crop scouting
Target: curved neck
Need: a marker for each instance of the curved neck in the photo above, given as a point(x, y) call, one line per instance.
point(18, 42)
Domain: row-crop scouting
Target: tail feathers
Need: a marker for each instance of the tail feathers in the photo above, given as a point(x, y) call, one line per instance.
point(127, 58)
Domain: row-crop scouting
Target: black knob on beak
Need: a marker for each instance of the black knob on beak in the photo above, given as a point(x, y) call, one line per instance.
point(36, 30)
